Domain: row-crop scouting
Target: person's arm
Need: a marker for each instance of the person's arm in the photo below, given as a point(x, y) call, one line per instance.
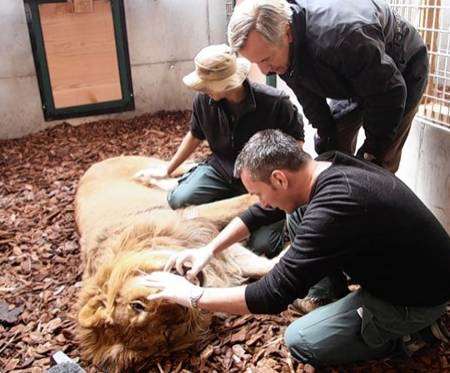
point(186, 148)
point(176, 289)
point(189, 143)
point(375, 78)
point(289, 119)
point(230, 300)
point(235, 231)
point(197, 259)
point(316, 110)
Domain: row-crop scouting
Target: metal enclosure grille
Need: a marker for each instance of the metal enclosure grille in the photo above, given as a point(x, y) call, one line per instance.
point(432, 19)
point(229, 4)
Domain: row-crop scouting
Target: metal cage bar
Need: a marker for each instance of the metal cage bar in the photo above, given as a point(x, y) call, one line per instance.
point(432, 19)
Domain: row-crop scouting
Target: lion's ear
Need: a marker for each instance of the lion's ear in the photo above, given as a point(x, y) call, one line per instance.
point(93, 313)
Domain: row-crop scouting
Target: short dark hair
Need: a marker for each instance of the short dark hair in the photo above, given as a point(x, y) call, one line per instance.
point(269, 150)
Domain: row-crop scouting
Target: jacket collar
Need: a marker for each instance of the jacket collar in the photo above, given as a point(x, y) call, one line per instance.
point(298, 30)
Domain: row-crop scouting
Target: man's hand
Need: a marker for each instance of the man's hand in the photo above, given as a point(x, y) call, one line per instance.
point(367, 153)
point(173, 288)
point(153, 172)
point(324, 142)
point(196, 259)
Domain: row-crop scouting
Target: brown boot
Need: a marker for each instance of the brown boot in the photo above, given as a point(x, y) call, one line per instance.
point(308, 304)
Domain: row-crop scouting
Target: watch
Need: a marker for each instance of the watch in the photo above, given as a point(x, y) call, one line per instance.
point(194, 296)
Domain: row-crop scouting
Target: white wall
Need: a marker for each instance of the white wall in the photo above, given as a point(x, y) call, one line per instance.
point(163, 36)
point(425, 167)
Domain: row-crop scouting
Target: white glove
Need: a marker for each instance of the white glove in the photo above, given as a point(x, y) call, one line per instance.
point(174, 289)
point(152, 172)
point(196, 259)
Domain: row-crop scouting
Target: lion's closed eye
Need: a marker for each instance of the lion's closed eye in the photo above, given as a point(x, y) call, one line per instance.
point(138, 306)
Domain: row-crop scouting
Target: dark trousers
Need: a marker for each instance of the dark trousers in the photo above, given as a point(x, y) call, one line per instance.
point(358, 327)
point(347, 132)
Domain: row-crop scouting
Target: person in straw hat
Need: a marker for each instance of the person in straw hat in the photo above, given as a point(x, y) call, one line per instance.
point(227, 110)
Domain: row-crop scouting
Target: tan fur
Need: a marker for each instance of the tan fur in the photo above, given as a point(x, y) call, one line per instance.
point(125, 228)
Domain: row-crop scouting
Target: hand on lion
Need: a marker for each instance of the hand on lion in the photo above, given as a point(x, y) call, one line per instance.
point(154, 172)
point(195, 259)
point(174, 288)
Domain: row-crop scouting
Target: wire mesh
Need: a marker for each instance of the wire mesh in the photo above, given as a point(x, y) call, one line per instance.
point(432, 19)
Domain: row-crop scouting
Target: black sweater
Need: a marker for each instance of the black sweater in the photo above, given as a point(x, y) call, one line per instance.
point(362, 220)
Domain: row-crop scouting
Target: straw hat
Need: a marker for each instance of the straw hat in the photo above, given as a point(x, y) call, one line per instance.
point(217, 69)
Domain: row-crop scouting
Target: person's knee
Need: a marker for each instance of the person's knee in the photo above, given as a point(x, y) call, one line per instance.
point(298, 345)
point(177, 199)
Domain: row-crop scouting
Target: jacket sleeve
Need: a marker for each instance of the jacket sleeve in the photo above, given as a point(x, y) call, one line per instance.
point(375, 78)
point(316, 109)
point(290, 120)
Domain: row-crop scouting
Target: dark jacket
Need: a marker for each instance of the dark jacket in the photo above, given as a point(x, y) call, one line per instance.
point(265, 108)
point(357, 49)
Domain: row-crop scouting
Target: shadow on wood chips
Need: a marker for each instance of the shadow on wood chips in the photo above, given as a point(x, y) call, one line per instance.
point(40, 259)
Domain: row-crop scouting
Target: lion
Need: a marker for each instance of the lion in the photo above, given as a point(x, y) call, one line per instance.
point(127, 228)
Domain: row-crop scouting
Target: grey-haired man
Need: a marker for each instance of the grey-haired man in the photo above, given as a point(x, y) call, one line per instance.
point(357, 50)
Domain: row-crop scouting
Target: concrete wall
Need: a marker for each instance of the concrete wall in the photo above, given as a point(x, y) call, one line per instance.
point(425, 167)
point(163, 37)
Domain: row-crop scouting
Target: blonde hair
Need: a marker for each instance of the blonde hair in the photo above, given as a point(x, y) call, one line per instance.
point(268, 17)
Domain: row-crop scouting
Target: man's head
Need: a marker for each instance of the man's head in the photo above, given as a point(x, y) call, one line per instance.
point(270, 166)
point(260, 31)
point(217, 72)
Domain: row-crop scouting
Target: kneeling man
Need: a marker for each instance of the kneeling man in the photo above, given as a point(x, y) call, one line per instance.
point(228, 109)
point(359, 219)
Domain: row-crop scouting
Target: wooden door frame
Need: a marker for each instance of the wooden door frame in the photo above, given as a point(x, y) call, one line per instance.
point(43, 75)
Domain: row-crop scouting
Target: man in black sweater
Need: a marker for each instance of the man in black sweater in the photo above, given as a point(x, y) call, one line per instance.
point(359, 219)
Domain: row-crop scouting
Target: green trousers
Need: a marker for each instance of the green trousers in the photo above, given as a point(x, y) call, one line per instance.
point(358, 327)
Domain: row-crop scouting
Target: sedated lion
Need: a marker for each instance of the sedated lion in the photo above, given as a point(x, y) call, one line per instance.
point(127, 227)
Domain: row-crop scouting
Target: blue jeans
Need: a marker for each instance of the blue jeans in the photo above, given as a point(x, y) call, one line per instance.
point(203, 184)
point(358, 327)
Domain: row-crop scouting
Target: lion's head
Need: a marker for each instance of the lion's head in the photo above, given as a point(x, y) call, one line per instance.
point(118, 326)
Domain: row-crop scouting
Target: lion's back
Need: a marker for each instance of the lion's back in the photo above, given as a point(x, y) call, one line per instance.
point(106, 193)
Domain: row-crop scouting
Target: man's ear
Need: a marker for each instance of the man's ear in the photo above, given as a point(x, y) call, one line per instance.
point(278, 179)
point(289, 37)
